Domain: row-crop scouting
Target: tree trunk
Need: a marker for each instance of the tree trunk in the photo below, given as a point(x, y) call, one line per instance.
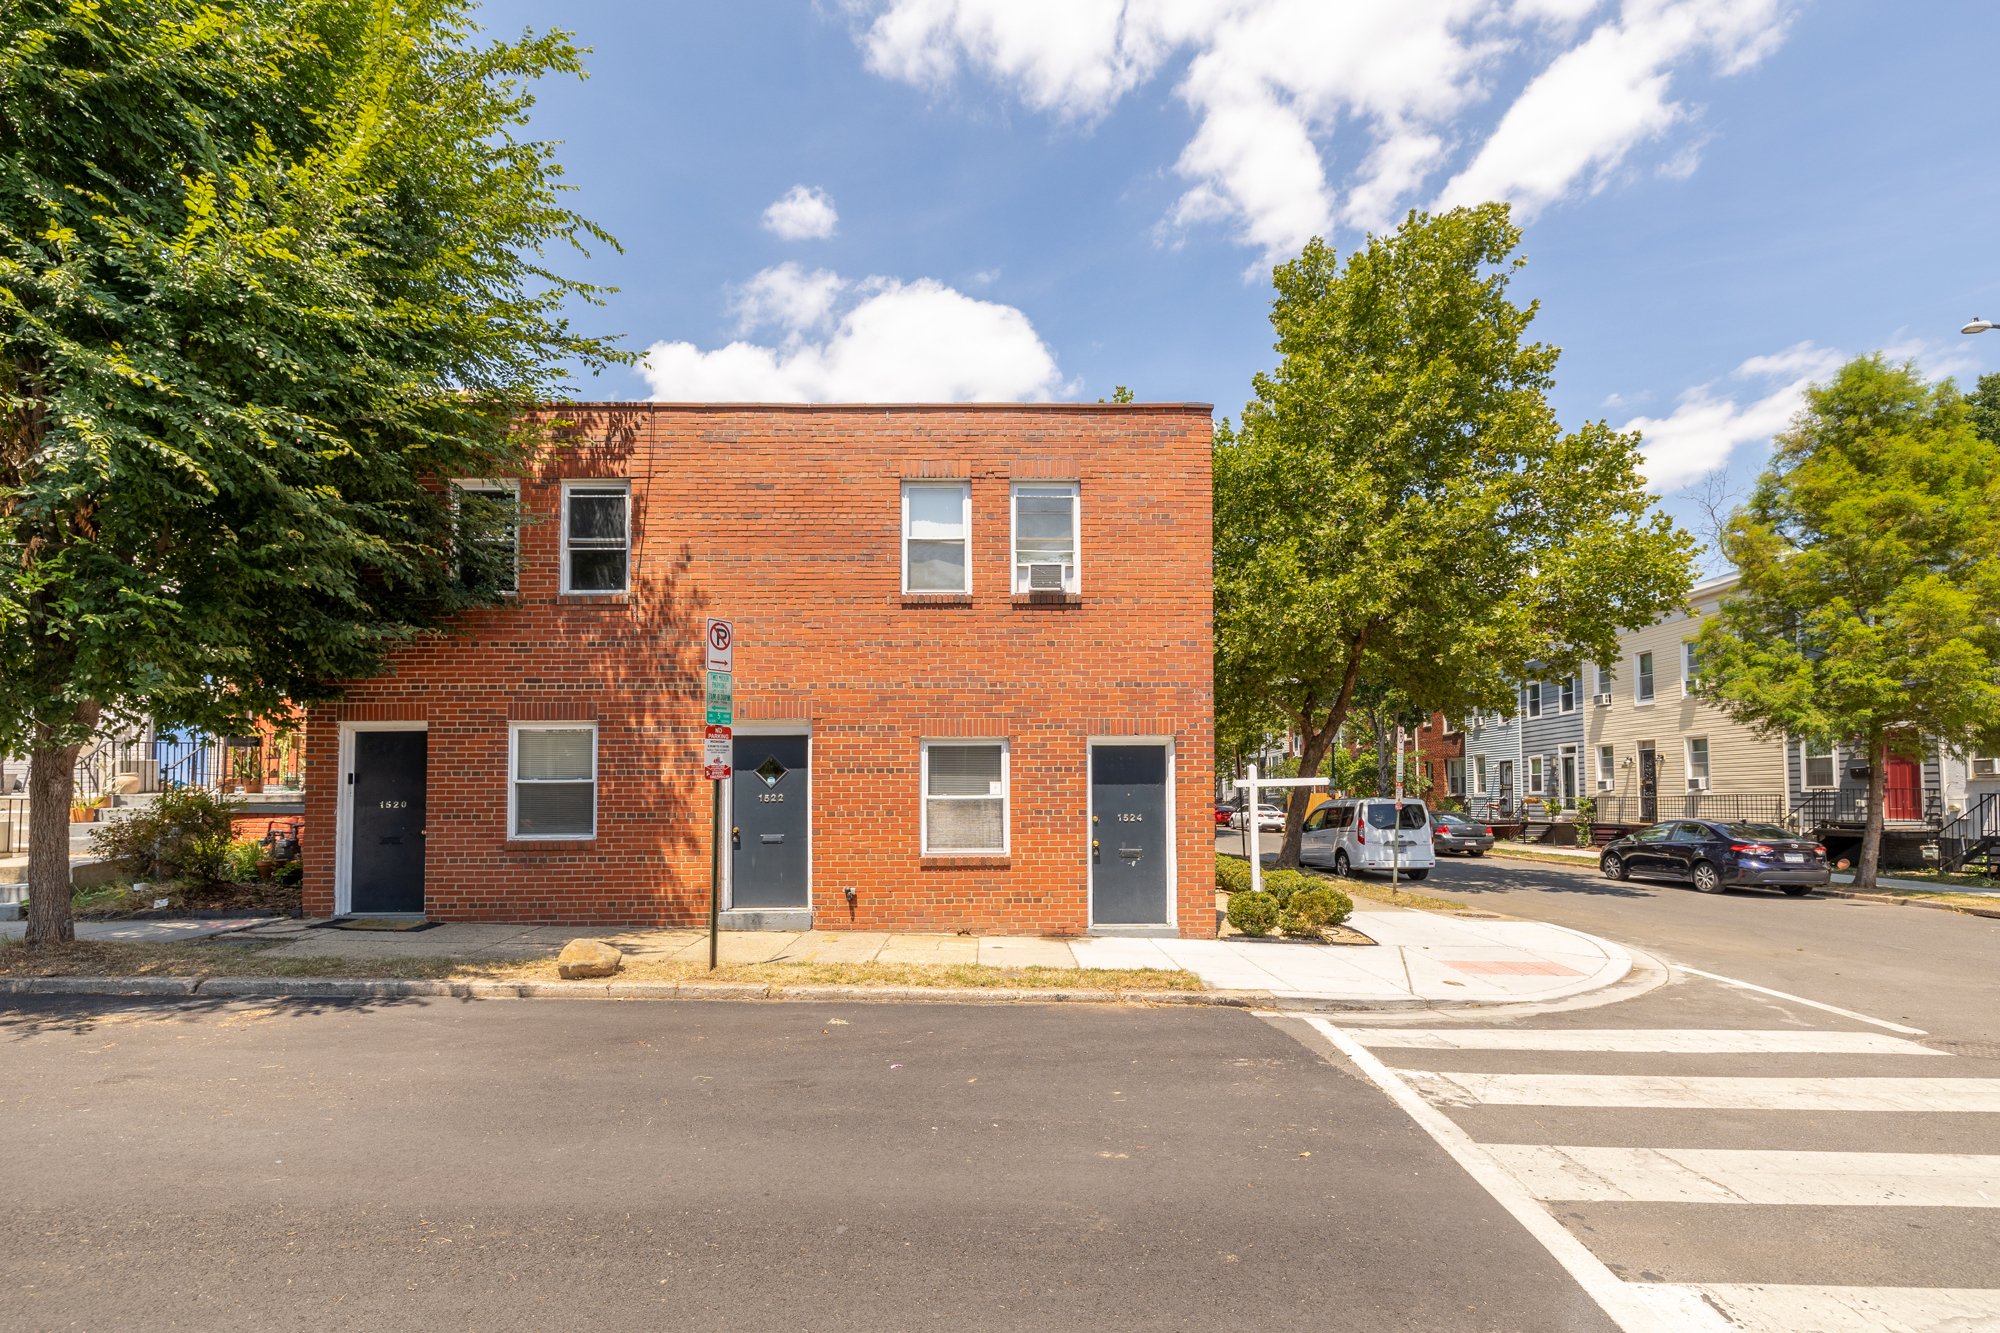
point(51, 786)
point(1871, 828)
point(1312, 754)
point(1385, 756)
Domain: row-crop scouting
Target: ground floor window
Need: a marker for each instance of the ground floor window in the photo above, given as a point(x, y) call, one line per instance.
point(1697, 760)
point(552, 787)
point(1535, 775)
point(965, 796)
point(1607, 768)
point(1820, 763)
point(1479, 774)
point(1454, 777)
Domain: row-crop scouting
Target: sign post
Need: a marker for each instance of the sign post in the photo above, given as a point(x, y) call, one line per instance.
point(719, 718)
point(1252, 785)
point(1396, 837)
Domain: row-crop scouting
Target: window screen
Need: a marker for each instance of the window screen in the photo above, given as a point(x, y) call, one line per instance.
point(555, 782)
point(965, 798)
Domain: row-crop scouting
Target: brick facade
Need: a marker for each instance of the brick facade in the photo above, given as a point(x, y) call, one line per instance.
point(786, 519)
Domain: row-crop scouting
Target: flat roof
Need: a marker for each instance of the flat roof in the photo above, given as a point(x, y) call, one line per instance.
point(632, 403)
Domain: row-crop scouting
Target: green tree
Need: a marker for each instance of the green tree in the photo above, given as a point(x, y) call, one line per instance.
point(1869, 607)
point(270, 271)
point(1401, 501)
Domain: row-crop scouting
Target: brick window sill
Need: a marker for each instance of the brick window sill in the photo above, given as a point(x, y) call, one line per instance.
point(551, 844)
point(936, 599)
point(965, 862)
point(594, 599)
point(1046, 599)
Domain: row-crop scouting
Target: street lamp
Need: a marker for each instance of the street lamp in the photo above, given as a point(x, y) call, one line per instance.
point(1979, 325)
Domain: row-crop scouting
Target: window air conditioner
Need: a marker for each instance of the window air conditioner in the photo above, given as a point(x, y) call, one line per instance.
point(1697, 784)
point(1605, 784)
point(1045, 578)
point(1604, 701)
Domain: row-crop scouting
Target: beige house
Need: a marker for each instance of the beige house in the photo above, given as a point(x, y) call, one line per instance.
point(1654, 752)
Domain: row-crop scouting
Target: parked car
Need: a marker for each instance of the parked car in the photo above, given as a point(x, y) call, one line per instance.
point(1270, 818)
point(1224, 814)
point(1714, 857)
point(1368, 835)
point(1453, 832)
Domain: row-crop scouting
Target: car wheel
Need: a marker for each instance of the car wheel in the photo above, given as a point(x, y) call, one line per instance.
point(1797, 890)
point(1341, 866)
point(1613, 866)
point(1707, 879)
point(1475, 852)
point(1416, 874)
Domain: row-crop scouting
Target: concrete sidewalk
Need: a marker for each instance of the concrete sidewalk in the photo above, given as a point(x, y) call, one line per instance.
point(142, 932)
point(1418, 958)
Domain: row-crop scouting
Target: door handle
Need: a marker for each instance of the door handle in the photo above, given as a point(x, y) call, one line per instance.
point(735, 837)
point(1093, 849)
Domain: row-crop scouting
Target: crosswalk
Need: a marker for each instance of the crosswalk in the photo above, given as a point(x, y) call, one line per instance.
point(1676, 1168)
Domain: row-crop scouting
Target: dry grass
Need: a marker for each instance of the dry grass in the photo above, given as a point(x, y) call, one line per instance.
point(99, 959)
point(1926, 895)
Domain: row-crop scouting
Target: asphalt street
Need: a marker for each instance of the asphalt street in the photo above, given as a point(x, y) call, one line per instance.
point(506, 1164)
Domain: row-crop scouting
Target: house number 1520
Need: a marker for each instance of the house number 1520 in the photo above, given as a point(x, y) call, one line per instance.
point(395, 805)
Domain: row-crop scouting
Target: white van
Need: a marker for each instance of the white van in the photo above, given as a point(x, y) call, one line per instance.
point(1354, 836)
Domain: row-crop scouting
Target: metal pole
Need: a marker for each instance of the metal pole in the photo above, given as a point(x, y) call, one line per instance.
point(715, 875)
point(1252, 838)
point(1396, 834)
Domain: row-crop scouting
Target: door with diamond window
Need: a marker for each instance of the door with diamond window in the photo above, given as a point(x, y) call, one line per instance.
point(770, 832)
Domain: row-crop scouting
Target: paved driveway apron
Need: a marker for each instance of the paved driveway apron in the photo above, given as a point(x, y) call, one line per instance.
point(1732, 1160)
point(529, 1164)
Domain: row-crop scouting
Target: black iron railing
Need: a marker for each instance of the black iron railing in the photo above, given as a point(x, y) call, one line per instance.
point(1975, 832)
point(1849, 809)
point(1727, 807)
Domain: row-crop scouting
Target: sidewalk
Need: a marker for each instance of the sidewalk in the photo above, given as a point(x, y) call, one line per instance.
point(142, 932)
point(1419, 958)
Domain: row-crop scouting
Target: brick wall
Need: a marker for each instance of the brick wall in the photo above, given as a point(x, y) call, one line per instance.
point(786, 520)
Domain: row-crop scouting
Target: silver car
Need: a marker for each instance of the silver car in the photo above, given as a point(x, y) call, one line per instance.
point(1453, 832)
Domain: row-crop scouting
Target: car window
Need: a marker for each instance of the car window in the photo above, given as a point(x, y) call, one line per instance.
point(1382, 814)
point(1316, 820)
point(1343, 817)
point(1759, 832)
point(1694, 833)
point(1657, 833)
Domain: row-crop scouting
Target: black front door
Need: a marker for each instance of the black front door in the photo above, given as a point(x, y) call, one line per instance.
point(391, 778)
point(1129, 835)
point(1649, 785)
point(770, 827)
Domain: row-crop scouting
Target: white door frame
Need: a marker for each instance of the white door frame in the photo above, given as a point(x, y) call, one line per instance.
point(770, 727)
point(1173, 827)
point(343, 823)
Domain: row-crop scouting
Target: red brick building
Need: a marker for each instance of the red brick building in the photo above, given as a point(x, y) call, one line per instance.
point(972, 682)
point(1440, 755)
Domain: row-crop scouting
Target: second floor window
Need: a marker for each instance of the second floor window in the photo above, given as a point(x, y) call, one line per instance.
point(1604, 683)
point(1045, 538)
point(487, 545)
point(1569, 694)
point(937, 525)
point(1535, 699)
point(597, 537)
point(1644, 682)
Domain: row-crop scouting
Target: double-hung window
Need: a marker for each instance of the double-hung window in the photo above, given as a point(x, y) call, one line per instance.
point(1820, 764)
point(1045, 530)
point(965, 797)
point(488, 546)
point(1535, 775)
point(552, 787)
point(1607, 768)
point(1642, 683)
point(1604, 684)
point(1479, 774)
point(597, 537)
point(937, 530)
point(1697, 761)
point(1534, 698)
point(1454, 777)
point(1690, 668)
point(1981, 768)
point(1569, 694)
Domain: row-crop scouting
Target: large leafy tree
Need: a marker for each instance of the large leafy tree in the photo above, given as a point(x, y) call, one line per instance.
point(1869, 608)
point(1401, 505)
point(270, 271)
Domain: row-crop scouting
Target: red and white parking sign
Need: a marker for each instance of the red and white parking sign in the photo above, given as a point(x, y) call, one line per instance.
point(715, 754)
point(720, 644)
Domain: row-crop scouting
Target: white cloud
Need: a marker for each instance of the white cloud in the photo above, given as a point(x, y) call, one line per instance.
point(802, 215)
point(876, 340)
point(1274, 82)
point(1706, 428)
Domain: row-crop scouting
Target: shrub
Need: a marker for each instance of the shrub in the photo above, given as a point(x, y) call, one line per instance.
point(1312, 909)
point(1253, 913)
point(184, 833)
point(1232, 874)
point(1282, 884)
point(241, 862)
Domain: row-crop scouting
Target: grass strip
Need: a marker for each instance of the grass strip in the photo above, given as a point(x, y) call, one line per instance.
point(92, 958)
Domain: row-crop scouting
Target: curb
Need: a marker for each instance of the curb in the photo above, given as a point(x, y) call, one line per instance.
point(1888, 900)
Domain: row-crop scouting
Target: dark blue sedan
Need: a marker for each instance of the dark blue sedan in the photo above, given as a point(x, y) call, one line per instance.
point(1714, 857)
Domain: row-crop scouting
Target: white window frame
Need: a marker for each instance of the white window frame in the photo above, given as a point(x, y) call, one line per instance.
point(1690, 669)
point(562, 573)
point(1479, 775)
point(1538, 768)
point(1566, 694)
point(514, 729)
point(1806, 756)
point(1454, 777)
point(1017, 569)
point(512, 487)
point(1972, 769)
point(1605, 677)
point(924, 797)
point(1607, 767)
point(1645, 685)
point(1569, 755)
point(965, 521)
point(1534, 693)
point(1707, 773)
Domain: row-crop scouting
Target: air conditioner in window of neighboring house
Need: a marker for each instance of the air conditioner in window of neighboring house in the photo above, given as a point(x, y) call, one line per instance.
point(1694, 684)
point(1697, 784)
point(1045, 578)
point(1604, 701)
point(1605, 784)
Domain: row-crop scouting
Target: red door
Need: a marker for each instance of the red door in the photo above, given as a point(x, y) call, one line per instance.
point(1904, 798)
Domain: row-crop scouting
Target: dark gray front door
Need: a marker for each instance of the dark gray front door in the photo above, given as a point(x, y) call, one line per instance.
point(391, 780)
point(1649, 785)
point(1129, 834)
point(770, 827)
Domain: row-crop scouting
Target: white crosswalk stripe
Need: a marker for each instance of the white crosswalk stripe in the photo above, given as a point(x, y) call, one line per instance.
point(1667, 1092)
point(1545, 1178)
point(1722, 1175)
point(1666, 1041)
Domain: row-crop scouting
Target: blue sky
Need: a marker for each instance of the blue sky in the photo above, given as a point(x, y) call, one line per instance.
point(1047, 198)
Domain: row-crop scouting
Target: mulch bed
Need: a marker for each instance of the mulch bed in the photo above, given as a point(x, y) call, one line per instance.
point(266, 897)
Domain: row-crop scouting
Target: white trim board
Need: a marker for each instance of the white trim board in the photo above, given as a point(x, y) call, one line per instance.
point(343, 817)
